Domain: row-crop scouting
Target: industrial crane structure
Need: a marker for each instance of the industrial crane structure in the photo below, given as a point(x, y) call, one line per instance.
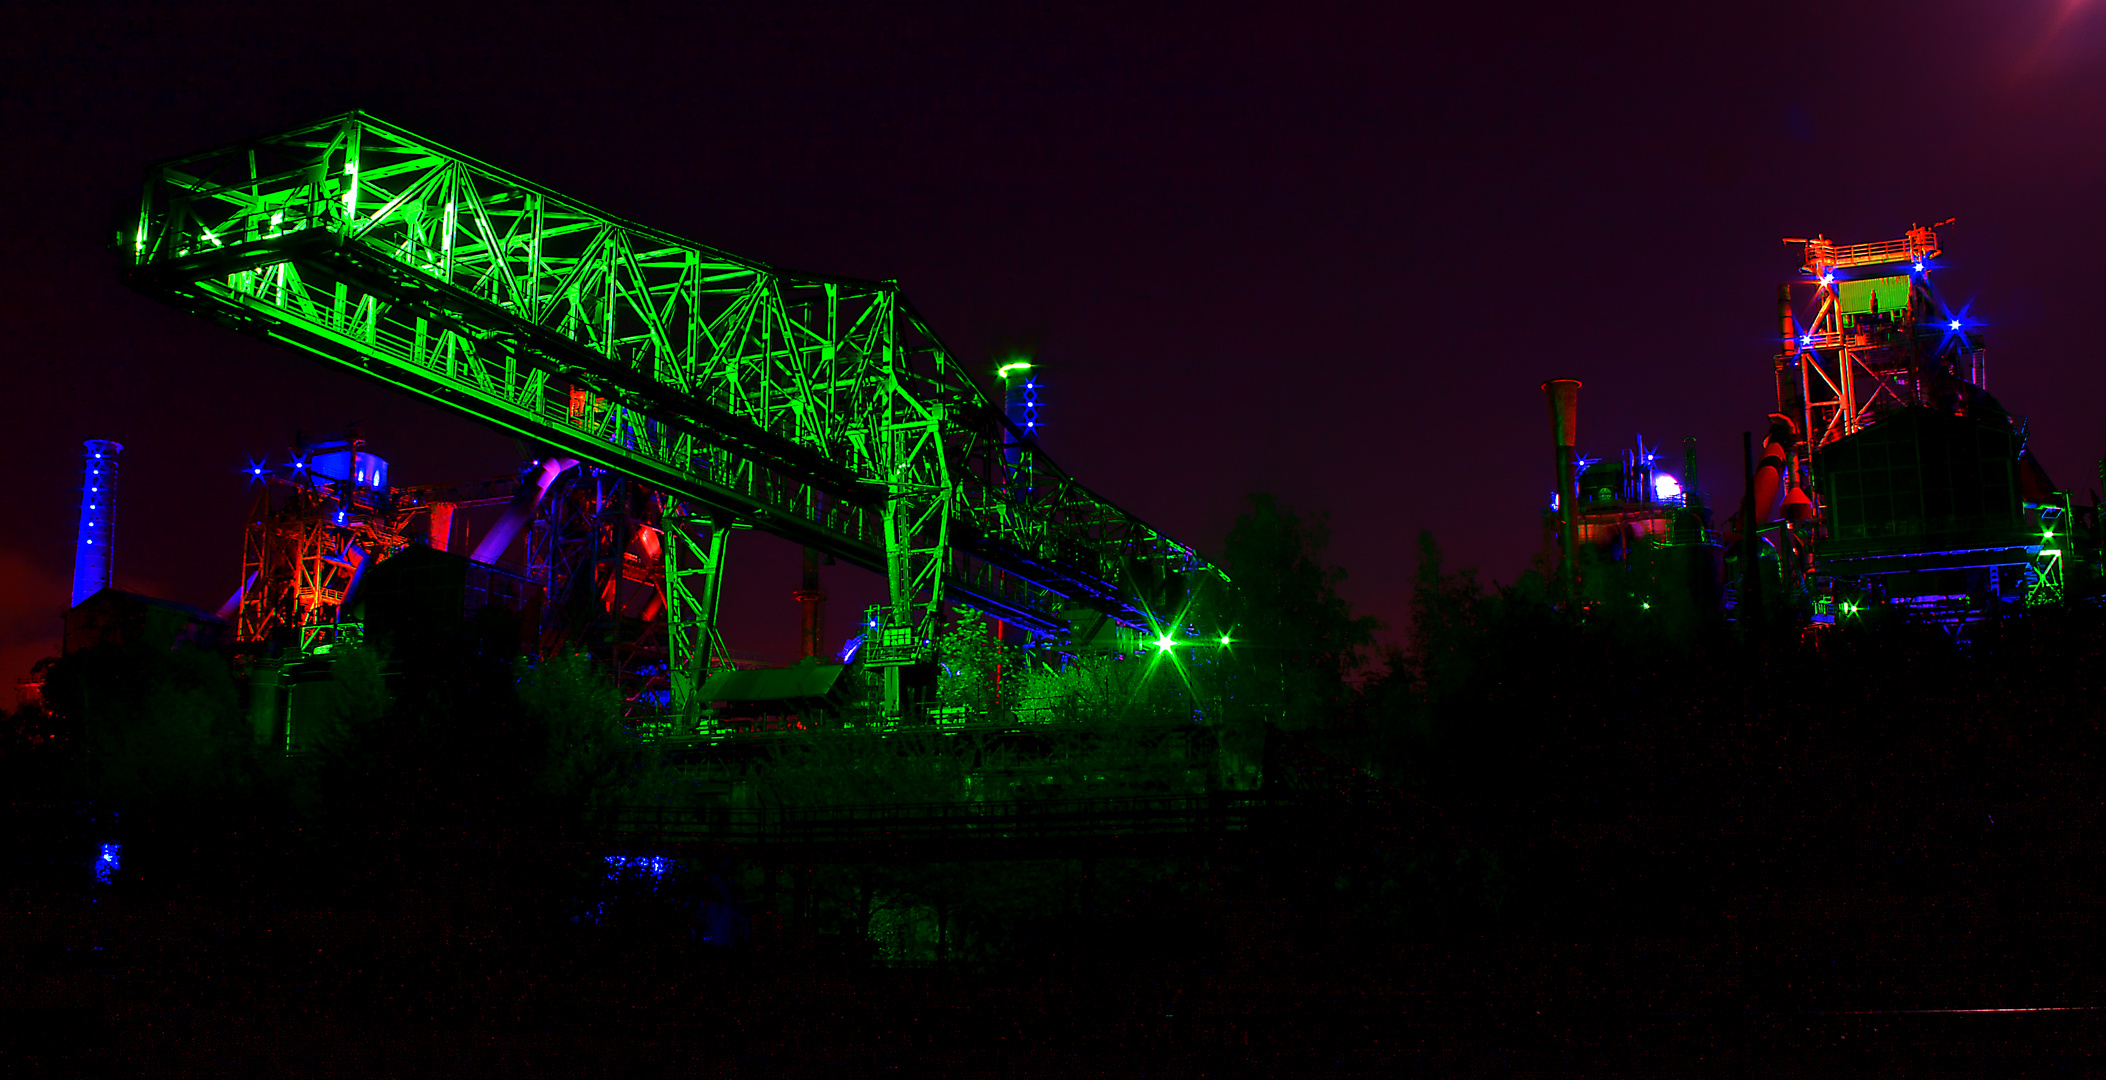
point(1913, 485)
point(1878, 337)
point(727, 392)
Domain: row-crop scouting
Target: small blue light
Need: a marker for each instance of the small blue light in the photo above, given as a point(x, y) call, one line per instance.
point(1806, 340)
point(1919, 268)
point(106, 863)
point(1955, 324)
point(654, 865)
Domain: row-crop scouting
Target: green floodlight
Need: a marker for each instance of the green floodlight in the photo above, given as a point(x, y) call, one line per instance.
point(1002, 372)
point(1226, 641)
point(1165, 643)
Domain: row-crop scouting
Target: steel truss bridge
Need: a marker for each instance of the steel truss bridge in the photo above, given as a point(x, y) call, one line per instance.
point(820, 409)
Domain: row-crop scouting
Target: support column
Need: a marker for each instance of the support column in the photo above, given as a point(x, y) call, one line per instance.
point(693, 551)
point(441, 525)
point(917, 541)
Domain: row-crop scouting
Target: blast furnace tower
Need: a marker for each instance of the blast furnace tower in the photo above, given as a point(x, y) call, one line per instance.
point(1916, 488)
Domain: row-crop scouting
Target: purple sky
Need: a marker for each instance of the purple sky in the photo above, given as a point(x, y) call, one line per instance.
point(1329, 257)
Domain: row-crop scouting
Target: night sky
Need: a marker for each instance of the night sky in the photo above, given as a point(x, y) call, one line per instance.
point(1329, 256)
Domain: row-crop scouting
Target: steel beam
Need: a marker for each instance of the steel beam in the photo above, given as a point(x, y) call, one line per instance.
point(816, 408)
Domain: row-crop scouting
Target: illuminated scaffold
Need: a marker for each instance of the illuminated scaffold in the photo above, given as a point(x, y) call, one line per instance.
point(322, 520)
point(1895, 478)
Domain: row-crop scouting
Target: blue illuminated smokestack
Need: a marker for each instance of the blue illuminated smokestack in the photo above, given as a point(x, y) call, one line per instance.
point(1020, 402)
point(94, 553)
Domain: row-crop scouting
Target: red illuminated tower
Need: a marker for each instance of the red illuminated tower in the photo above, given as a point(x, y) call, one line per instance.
point(1923, 497)
point(1865, 334)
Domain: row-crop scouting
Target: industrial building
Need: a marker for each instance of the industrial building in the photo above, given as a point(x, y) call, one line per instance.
point(1889, 479)
point(675, 393)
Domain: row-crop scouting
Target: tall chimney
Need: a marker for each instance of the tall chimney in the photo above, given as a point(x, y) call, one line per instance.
point(1787, 325)
point(95, 550)
point(1563, 396)
point(812, 599)
point(1691, 492)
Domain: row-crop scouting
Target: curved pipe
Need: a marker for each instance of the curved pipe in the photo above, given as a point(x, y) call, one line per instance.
point(526, 502)
point(358, 576)
point(1770, 472)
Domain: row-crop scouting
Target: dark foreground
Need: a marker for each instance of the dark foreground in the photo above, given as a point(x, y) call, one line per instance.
point(1557, 848)
point(422, 985)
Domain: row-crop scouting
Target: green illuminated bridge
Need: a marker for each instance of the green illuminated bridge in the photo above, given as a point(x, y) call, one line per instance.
point(820, 409)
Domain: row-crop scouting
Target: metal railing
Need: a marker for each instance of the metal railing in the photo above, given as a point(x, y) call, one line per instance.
point(1823, 254)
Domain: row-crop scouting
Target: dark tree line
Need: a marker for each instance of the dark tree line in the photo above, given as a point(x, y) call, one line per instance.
point(1518, 771)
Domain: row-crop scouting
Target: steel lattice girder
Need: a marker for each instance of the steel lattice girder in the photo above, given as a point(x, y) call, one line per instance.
point(820, 409)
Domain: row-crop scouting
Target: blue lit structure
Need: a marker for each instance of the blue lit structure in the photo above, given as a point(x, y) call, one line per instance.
point(95, 550)
point(1019, 403)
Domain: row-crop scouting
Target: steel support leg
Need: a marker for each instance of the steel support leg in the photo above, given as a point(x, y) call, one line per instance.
point(693, 549)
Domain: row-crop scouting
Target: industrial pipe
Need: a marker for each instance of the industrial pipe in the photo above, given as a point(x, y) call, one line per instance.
point(1787, 324)
point(812, 599)
point(1771, 471)
point(526, 502)
point(1563, 398)
point(1692, 493)
point(441, 525)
